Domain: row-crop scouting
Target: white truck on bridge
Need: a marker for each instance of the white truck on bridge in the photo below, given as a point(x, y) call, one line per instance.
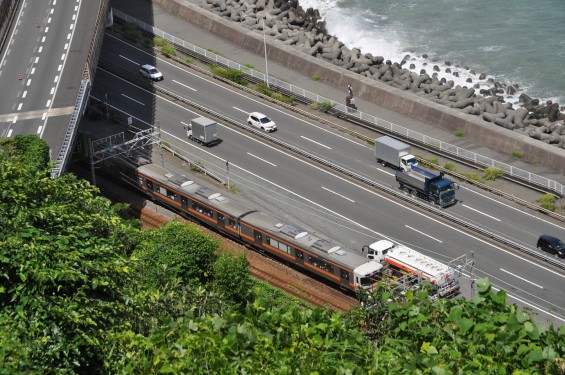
point(392, 152)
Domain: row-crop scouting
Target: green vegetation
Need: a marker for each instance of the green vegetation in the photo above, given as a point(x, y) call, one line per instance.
point(547, 201)
point(262, 88)
point(196, 167)
point(492, 173)
point(159, 42)
point(168, 50)
point(450, 166)
point(231, 74)
point(85, 291)
point(325, 106)
point(517, 155)
point(188, 60)
point(316, 77)
point(131, 31)
point(459, 133)
point(315, 106)
point(472, 176)
point(213, 51)
point(432, 160)
point(283, 98)
point(249, 66)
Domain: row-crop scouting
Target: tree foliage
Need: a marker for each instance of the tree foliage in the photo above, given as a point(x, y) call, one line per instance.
point(63, 265)
point(232, 279)
point(176, 251)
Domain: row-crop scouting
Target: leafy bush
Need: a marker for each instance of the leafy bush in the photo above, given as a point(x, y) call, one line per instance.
point(131, 31)
point(316, 77)
point(231, 74)
point(315, 105)
point(188, 60)
point(547, 201)
point(432, 160)
point(450, 166)
point(517, 155)
point(283, 98)
point(459, 133)
point(176, 251)
point(263, 89)
point(492, 173)
point(159, 42)
point(249, 66)
point(326, 105)
point(168, 50)
point(472, 176)
point(232, 279)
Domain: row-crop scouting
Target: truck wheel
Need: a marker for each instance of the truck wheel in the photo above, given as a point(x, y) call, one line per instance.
point(413, 194)
point(383, 163)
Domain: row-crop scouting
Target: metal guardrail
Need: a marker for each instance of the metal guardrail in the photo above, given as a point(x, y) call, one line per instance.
point(63, 156)
point(375, 122)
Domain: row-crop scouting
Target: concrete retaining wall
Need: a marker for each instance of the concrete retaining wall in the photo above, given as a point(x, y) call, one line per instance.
point(406, 103)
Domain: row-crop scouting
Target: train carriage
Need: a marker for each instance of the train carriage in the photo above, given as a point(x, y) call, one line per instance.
point(286, 241)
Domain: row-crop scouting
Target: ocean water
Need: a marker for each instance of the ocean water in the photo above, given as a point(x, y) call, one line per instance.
point(515, 42)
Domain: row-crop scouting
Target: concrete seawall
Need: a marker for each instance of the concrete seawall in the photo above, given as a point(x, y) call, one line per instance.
point(406, 103)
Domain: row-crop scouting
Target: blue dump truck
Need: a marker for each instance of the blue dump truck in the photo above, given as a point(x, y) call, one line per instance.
point(427, 185)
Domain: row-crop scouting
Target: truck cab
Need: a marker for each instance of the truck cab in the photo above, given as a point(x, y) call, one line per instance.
point(408, 161)
point(377, 251)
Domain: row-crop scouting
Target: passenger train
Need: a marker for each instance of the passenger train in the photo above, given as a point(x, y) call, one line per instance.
point(345, 268)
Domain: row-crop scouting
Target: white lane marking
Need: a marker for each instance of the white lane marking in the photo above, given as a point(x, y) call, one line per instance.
point(49, 20)
point(63, 56)
point(46, 29)
point(56, 79)
point(482, 213)
point(339, 195)
point(241, 110)
point(131, 61)
point(182, 84)
point(74, 16)
point(40, 49)
point(71, 26)
point(263, 160)
point(137, 101)
point(521, 278)
point(36, 59)
point(20, 106)
point(43, 39)
point(10, 132)
point(28, 82)
point(318, 143)
point(52, 90)
point(68, 36)
point(513, 208)
point(48, 103)
point(422, 233)
point(66, 46)
point(44, 116)
point(24, 94)
point(184, 123)
point(32, 71)
point(52, 10)
point(14, 119)
point(59, 67)
point(39, 129)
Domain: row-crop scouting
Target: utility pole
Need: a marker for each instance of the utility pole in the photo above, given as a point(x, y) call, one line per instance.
point(265, 45)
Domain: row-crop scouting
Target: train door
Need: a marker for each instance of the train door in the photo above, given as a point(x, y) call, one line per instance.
point(299, 256)
point(220, 220)
point(344, 277)
point(258, 237)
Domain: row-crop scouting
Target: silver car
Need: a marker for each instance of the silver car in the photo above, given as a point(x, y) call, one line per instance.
point(261, 121)
point(150, 71)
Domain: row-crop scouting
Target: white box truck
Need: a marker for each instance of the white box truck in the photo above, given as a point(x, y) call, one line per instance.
point(203, 130)
point(393, 153)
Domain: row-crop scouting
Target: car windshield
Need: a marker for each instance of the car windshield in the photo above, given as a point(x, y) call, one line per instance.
point(264, 120)
point(559, 245)
point(153, 71)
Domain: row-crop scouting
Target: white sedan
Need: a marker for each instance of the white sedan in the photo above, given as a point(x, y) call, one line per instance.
point(261, 121)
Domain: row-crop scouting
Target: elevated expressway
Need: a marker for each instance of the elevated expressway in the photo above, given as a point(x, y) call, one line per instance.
point(48, 60)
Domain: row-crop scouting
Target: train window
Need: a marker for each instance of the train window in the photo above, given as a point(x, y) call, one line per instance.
point(150, 185)
point(344, 275)
point(171, 194)
point(329, 268)
point(140, 180)
point(220, 217)
point(162, 191)
point(194, 206)
point(232, 223)
point(184, 200)
point(299, 254)
point(202, 210)
point(278, 245)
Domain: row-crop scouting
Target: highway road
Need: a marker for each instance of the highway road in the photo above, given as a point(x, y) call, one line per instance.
point(41, 68)
point(341, 209)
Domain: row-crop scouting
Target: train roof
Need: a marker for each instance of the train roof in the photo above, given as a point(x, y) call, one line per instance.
point(306, 240)
point(189, 187)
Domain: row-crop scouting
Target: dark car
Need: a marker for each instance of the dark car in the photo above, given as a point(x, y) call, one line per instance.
point(551, 245)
